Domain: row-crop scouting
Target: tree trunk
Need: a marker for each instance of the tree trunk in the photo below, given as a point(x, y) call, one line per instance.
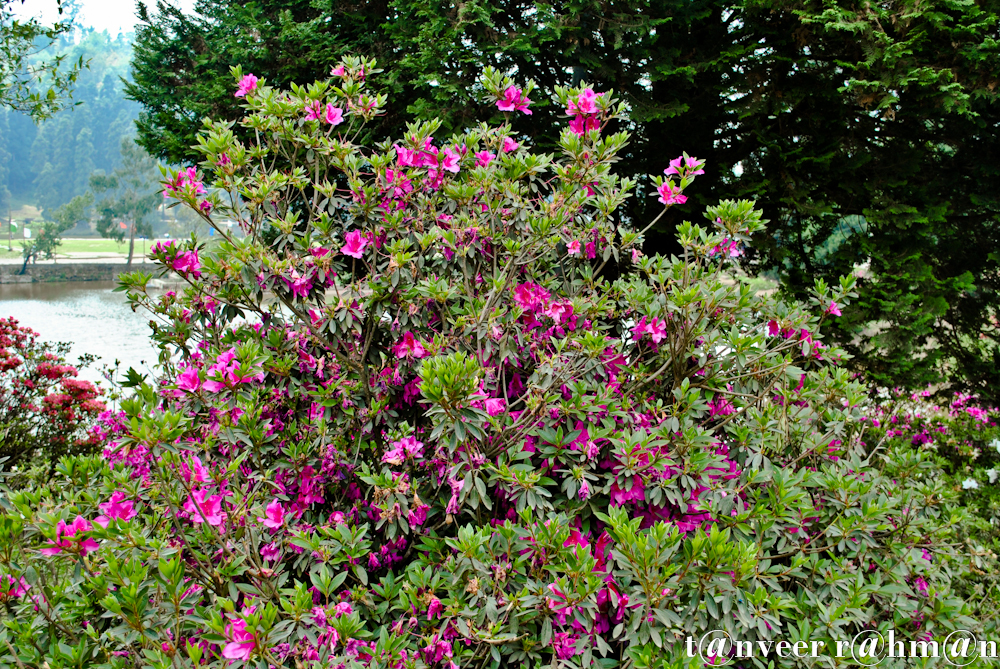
point(131, 246)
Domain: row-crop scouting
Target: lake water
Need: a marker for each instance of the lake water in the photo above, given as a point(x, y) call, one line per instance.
point(87, 314)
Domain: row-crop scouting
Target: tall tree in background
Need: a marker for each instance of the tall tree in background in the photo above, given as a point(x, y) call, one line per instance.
point(130, 194)
point(38, 87)
point(52, 161)
point(868, 134)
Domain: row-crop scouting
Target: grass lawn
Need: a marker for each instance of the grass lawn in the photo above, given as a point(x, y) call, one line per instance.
point(69, 245)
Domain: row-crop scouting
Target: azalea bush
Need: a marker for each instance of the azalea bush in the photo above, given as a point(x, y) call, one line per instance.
point(433, 408)
point(964, 435)
point(45, 410)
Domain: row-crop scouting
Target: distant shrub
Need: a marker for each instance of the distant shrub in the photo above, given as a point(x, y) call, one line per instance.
point(964, 436)
point(411, 423)
point(44, 409)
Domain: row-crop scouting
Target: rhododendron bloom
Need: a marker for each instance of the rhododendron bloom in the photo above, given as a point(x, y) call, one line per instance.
point(692, 166)
point(187, 263)
point(560, 312)
point(409, 347)
point(514, 100)
point(274, 515)
point(434, 608)
point(496, 406)
point(247, 84)
point(584, 103)
point(670, 194)
point(241, 642)
point(186, 180)
point(833, 309)
point(205, 508)
point(334, 115)
point(313, 110)
point(188, 380)
point(582, 124)
point(116, 507)
point(509, 145)
point(337, 71)
point(574, 247)
point(355, 244)
point(11, 587)
point(66, 537)
point(417, 516)
point(450, 161)
point(484, 158)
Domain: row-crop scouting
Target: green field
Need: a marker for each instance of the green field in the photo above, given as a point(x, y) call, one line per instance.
point(91, 245)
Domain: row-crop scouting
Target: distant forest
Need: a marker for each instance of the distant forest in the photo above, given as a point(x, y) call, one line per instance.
point(46, 166)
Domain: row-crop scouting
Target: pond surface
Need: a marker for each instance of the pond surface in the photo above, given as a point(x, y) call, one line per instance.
point(87, 314)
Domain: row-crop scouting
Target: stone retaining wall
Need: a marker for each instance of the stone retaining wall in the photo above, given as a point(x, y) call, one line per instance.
point(70, 271)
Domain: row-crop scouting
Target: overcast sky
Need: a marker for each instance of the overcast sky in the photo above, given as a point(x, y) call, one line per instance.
point(112, 15)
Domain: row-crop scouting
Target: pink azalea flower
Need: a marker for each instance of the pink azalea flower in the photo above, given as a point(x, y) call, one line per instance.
point(185, 180)
point(691, 165)
point(270, 552)
point(274, 515)
point(15, 588)
point(417, 516)
point(560, 312)
point(531, 297)
point(496, 406)
point(833, 309)
point(197, 472)
point(450, 162)
point(116, 507)
point(247, 84)
point(334, 115)
point(413, 448)
point(188, 380)
point(355, 246)
point(509, 145)
point(313, 110)
point(514, 100)
point(66, 535)
point(241, 642)
point(484, 158)
point(582, 124)
point(409, 346)
point(584, 491)
point(669, 194)
point(456, 488)
point(300, 285)
point(337, 71)
point(342, 609)
point(394, 456)
point(434, 608)
point(574, 247)
point(205, 509)
point(187, 263)
point(584, 103)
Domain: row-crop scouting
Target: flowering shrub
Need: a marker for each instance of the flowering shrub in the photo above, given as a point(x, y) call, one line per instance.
point(44, 409)
point(412, 423)
point(964, 434)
